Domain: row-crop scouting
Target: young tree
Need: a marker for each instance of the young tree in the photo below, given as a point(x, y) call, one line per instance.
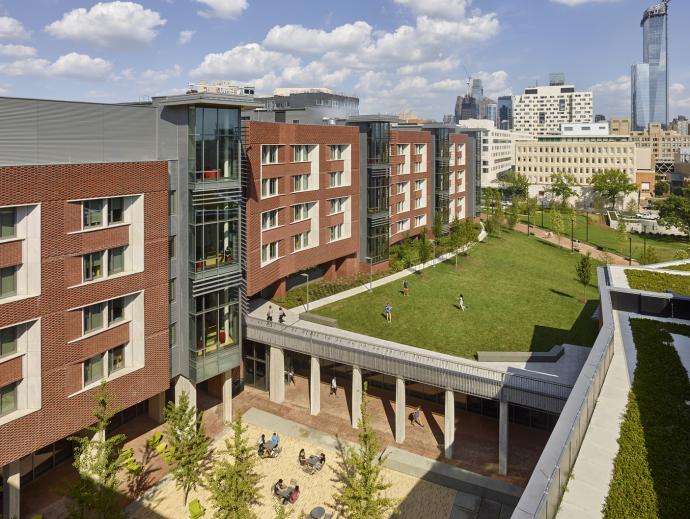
point(438, 225)
point(99, 461)
point(557, 223)
point(599, 204)
point(499, 213)
point(514, 214)
point(661, 187)
point(649, 257)
point(456, 238)
point(583, 268)
point(187, 450)
point(361, 493)
point(424, 247)
point(233, 482)
point(529, 207)
point(562, 187)
point(612, 183)
point(515, 185)
point(631, 206)
point(622, 234)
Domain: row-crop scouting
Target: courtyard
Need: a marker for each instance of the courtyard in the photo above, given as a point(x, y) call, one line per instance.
point(521, 294)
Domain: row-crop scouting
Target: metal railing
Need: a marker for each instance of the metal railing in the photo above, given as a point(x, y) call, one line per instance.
point(410, 363)
point(544, 491)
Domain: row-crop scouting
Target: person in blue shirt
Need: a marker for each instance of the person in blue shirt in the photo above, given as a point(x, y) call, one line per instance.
point(274, 440)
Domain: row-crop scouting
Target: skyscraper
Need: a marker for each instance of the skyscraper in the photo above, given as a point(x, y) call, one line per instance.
point(649, 79)
point(505, 112)
point(477, 90)
point(556, 79)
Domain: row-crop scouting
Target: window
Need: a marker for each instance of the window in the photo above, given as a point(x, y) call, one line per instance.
point(336, 152)
point(418, 202)
point(172, 335)
point(8, 281)
point(172, 203)
point(301, 182)
point(336, 231)
point(401, 149)
point(417, 167)
point(116, 359)
point(8, 399)
point(269, 219)
point(269, 187)
point(116, 260)
point(171, 247)
point(402, 225)
point(418, 149)
point(335, 179)
point(8, 222)
point(269, 252)
point(300, 241)
point(561, 106)
point(93, 369)
point(399, 207)
point(115, 210)
point(335, 205)
point(93, 213)
point(418, 185)
point(93, 317)
point(300, 212)
point(8, 341)
point(116, 310)
point(419, 220)
point(269, 154)
point(93, 266)
point(171, 290)
point(301, 153)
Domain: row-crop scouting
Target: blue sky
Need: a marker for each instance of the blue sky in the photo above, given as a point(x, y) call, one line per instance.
point(396, 55)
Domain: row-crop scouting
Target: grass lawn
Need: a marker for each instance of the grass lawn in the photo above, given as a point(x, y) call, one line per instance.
point(521, 295)
point(651, 472)
point(603, 236)
point(684, 267)
point(658, 281)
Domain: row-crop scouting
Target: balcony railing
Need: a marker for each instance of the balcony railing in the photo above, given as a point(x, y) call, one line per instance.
point(212, 364)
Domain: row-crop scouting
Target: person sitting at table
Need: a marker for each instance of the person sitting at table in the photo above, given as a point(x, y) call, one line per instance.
point(262, 439)
point(292, 497)
point(302, 457)
point(274, 440)
point(262, 450)
point(279, 487)
point(322, 459)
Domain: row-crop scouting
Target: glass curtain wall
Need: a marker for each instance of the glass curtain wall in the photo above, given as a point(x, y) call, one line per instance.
point(377, 241)
point(214, 236)
point(214, 140)
point(442, 198)
point(378, 143)
point(215, 322)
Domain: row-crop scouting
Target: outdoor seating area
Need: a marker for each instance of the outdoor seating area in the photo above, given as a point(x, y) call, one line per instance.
point(312, 464)
point(269, 448)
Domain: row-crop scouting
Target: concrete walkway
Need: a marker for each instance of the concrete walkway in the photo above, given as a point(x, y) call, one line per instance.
point(682, 345)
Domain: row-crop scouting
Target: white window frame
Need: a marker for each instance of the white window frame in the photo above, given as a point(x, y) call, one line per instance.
point(300, 153)
point(266, 185)
point(335, 232)
point(269, 154)
point(269, 252)
point(303, 183)
point(300, 241)
point(335, 152)
point(269, 219)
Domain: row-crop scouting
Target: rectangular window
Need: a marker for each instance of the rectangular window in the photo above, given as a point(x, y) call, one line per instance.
point(116, 359)
point(335, 205)
point(335, 152)
point(171, 247)
point(8, 282)
point(301, 153)
point(269, 219)
point(418, 149)
point(172, 335)
point(269, 252)
point(300, 241)
point(300, 182)
point(401, 149)
point(419, 220)
point(93, 213)
point(8, 341)
point(116, 260)
point(93, 369)
point(399, 207)
point(269, 187)
point(116, 310)
point(172, 203)
point(336, 232)
point(418, 185)
point(300, 212)
point(335, 179)
point(93, 266)
point(269, 154)
point(116, 213)
point(402, 225)
point(93, 317)
point(418, 202)
point(417, 167)
point(8, 399)
point(171, 290)
point(8, 222)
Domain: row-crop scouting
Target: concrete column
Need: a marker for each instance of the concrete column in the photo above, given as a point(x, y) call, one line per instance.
point(157, 407)
point(11, 490)
point(449, 425)
point(276, 388)
point(400, 418)
point(503, 438)
point(356, 395)
point(315, 386)
point(227, 396)
point(184, 385)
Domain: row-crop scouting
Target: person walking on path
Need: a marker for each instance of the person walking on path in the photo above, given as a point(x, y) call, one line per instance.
point(291, 376)
point(406, 287)
point(461, 302)
point(269, 314)
point(334, 387)
point(389, 318)
point(281, 315)
point(415, 417)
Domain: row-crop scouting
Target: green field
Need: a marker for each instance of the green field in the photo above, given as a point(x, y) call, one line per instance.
point(658, 281)
point(521, 295)
point(602, 235)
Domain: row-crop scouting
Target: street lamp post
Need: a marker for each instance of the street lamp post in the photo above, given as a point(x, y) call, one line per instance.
point(572, 229)
point(433, 244)
point(630, 251)
point(587, 226)
point(542, 212)
point(370, 260)
point(305, 274)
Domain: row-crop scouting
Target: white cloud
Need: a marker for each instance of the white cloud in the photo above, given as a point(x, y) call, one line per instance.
point(227, 9)
point(612, 97)
point(244, 61)
point(574, 3)
point(72, 65)
point(109, 25)
point(676, 89)
point(494, 83)
point(17, 51)
point(185, 37)
point(439, 65)
point(443, 9)
point(347, 37)
point(158, 76)
point(12, 29)
point(614, 86)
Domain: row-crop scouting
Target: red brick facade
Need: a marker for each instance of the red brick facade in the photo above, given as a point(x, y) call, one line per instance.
point(340, 255)
point(55, 188)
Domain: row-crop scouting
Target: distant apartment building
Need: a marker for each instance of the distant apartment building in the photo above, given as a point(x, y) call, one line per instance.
point(664, 144)
point(620, 126)
point(305, 106)
point(600, 128)
point(681, 172)
point(542, 110)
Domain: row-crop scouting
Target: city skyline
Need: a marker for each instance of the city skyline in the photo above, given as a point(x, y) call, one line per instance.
point(397, 56)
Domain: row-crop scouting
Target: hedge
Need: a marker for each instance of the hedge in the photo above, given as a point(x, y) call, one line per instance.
point(658, 281)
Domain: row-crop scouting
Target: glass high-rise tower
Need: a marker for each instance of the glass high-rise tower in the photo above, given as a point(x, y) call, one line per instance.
point(649, 80)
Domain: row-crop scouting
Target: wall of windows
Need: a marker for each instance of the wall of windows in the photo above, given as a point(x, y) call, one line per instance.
point(377, 242)
point(377, 194)
point(214, 236)
point(378, 143)
point(214, 140)
point(215, 321)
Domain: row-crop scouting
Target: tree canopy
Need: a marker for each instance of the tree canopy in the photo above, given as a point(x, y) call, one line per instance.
point(515, 185)
point(612, 183)
point(675, 211)
point(562, 186)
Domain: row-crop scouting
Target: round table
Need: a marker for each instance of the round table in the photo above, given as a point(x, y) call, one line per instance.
point(318, 512)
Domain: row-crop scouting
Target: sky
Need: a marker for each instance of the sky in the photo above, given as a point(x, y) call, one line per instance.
point(395, 55)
